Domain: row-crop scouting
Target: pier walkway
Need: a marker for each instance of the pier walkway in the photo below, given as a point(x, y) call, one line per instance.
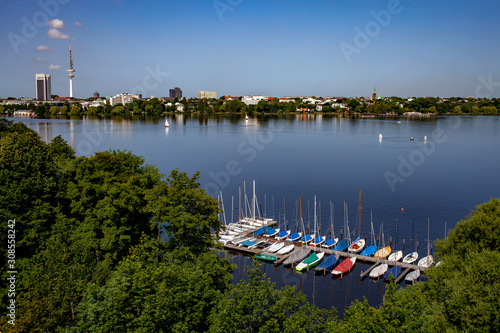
point(342, 254)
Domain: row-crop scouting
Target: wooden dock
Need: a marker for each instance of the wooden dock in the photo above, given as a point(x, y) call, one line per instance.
point(359, 258)
point(298, 245)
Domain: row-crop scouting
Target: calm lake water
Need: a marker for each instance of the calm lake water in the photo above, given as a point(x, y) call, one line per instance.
point(441, 179)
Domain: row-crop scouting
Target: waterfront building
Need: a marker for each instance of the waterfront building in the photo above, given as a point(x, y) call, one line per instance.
point(43, 87)
point(121, 98)
point(252, 100)
point(207, 94)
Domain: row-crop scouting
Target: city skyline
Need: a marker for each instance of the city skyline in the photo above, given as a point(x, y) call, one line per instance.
point(406, 48)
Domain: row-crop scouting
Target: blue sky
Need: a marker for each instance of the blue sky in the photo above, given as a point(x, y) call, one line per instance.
point(241, 47)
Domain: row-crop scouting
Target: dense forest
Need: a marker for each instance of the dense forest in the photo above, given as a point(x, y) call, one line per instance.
point(87, 256)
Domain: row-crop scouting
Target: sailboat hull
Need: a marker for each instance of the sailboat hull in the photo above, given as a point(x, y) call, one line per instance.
point(345, 266)
point(369, 251)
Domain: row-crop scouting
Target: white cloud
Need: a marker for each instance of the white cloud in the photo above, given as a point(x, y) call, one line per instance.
point(56, 23)
point(78, 24)
point(54, 67)
point(42, 48)
point(56, 34)
point(40, 59)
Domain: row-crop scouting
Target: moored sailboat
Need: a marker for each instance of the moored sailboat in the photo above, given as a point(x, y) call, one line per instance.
point(383, 250)
point(328, 263)
point(276, 247)
point(332, 241)
point(345, 266)
point(372, 248)
point(318, 239)
point(378, 271)
point(359, 243)
point(286, 249)
point(310, 261)
point(428, 260)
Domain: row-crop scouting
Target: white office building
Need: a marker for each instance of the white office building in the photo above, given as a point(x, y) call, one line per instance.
point(121, 98)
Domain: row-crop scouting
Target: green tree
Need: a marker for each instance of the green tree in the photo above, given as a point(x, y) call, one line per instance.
point(54, 110)
point(263, 106)
point(64, 110)
point(76, 110)
point(118, 110)
point(256, 306)
point(352, 104)
point(188, 215)
point(158, 109)
point(145, 294)
point(39, 110)
point(93, 110)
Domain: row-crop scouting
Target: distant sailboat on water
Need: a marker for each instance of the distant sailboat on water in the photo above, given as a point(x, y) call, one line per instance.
point(166, 123)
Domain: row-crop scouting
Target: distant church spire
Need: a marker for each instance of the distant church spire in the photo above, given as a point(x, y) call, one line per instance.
point(374, 96)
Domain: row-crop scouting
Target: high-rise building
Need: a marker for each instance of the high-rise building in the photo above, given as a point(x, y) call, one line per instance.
point(43, 87)
point(207, 94)
point(176, 92)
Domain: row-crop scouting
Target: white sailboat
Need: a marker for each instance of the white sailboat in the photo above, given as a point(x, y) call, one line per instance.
point(166, 123)
point(428, 260)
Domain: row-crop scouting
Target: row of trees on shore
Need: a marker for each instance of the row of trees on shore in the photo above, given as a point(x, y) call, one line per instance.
point(390, 105)
point(89, 257)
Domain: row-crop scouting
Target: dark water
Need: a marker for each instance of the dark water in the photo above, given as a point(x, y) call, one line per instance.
point(331, 157)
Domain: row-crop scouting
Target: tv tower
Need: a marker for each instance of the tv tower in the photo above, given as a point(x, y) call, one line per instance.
point(70, 70)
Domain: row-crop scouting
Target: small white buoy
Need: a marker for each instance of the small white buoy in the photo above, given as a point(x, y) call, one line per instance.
point(380, 136)
point(425, 138)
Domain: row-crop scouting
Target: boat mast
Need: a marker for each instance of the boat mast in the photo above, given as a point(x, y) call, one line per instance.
point(359, 227)
point(428, 242)
point(372, 230)
point(315, 220)
point(245, 197)
point(301, 223)
point(331, 220)
point(253, 201)
point(413, 232)
point(284, 215)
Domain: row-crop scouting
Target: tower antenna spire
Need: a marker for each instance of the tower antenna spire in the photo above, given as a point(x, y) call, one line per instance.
point(70, 70)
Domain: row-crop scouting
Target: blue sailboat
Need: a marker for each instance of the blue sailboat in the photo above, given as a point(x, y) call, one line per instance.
point(295, 236)
point(371, 249)
point(395, 271)
point(262, 231)
point(345, 243)
point(329, 243)
point(342, 245)
point(328, 263)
